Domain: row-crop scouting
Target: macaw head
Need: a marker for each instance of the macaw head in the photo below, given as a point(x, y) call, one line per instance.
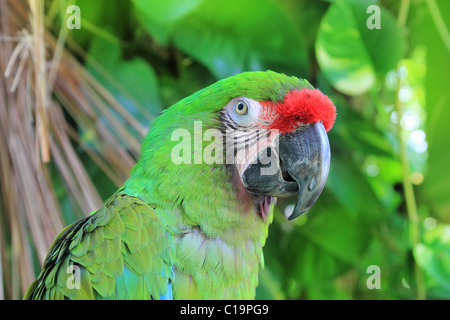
point(273, 134)
point(279, 134)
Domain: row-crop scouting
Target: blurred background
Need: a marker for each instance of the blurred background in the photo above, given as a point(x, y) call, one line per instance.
point(80, 82)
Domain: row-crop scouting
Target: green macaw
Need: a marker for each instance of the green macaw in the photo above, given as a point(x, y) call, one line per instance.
point(192, 219)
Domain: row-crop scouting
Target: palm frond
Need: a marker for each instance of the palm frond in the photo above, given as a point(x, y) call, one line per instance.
point(42, 85)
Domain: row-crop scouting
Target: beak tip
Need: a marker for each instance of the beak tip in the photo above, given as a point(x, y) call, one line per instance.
point(294, 216)
point(296, 213)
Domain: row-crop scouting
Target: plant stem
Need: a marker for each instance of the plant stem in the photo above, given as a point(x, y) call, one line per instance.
point(439, 22)
point(411, 206)
point(403, 12)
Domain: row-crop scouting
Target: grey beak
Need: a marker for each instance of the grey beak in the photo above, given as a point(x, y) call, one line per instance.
point(302, 166)
point(305, 155)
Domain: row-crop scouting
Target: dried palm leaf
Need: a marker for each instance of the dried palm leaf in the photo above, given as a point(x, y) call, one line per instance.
point(41, 84)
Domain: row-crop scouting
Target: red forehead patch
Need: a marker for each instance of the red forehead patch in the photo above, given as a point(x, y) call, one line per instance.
point(305, 106)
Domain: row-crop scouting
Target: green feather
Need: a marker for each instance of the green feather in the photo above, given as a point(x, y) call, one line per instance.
point(94, 246)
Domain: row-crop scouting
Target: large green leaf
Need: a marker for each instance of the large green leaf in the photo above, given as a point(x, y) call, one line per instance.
point(352, 131)
point(349, 53)
point(433, 256)
point(166, 11)
point(352, 189)
point(158, 17)
point(301, 265)
point(133, 82)
point(233, 36)
point(98, 17)
point(335, 230)
point(314, 272)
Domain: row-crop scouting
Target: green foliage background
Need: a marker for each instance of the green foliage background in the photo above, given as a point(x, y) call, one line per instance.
point(390, 86)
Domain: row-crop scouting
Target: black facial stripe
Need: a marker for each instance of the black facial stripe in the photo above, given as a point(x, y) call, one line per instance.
point(242, 136)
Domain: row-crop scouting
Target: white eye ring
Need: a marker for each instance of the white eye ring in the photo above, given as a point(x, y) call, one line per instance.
point(243, 111)
point(241, 107)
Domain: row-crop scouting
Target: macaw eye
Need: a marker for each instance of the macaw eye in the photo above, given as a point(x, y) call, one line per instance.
point(241, 107)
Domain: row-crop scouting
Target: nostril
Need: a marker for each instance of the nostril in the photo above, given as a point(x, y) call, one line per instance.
point(288, 177)
point(285, 174)
point(313, 183)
